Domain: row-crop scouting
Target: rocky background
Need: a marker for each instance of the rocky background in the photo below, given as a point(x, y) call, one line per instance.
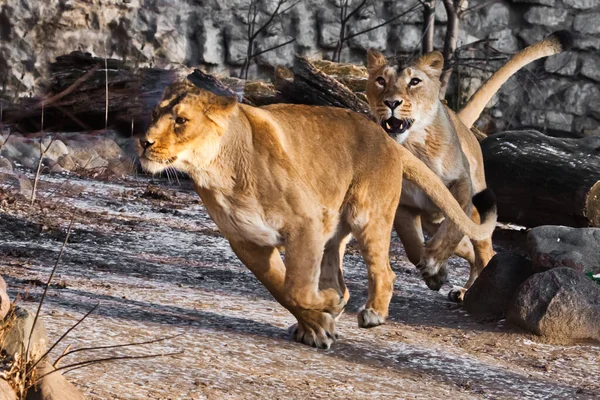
point(560, 95)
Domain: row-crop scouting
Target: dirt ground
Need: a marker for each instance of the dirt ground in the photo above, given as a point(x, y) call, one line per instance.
point(157, 266)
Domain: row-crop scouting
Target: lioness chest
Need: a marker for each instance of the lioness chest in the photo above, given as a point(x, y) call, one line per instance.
point(440, 157)
point(245, 221)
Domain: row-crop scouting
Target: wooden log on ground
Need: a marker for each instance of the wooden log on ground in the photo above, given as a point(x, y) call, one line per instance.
point(542, 180)
point(311, 86)
point(75, 98)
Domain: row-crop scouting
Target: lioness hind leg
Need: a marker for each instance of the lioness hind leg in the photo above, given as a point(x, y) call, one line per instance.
point(478, 254)
point(315, 328)
point(464, 250)
point(407, 224)
point(443, 244)
point(332, 273)
point(374, 242)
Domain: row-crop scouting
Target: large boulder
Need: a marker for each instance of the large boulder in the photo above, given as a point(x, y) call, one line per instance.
point(560, 304)
point(52, 386)
point(490, 295)
point(560, 246)
point(4, 299)
point(6, 391)
point(18, 337)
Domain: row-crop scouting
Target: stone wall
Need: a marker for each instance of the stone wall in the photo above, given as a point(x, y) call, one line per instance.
point(560, 95)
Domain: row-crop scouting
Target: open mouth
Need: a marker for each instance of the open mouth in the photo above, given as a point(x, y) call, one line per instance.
point(395, 126)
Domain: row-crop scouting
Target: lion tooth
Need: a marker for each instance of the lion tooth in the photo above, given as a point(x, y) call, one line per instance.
point(387, 125)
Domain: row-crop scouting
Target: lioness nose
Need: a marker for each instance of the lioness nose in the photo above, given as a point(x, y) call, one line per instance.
point(392, 104)
point(145, 143)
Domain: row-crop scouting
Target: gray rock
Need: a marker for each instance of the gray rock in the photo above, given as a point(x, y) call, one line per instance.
point(534, 34)
point(54, 148)
point(495, 15)
point(376, 39)
point(547, 120)
point(409, 38)
point(587, 23)
point(585, 126)
point(492, 292)
point(587, 43)
point(53, 386)
point(210, 43)
point(4, 299)
point(582, 4)
point(281, 56)
point(590, 66)
point(543, 2)
point(329, 29)
point(17, 337)
point(560, 304)
point(6, 391)
point(17, 182)
point(505, 40)
point(548, 16)
point(67, 162)
point(560, 246)
point(5, 165)
point(120, 167)
point(562, 64)
point(580, 97)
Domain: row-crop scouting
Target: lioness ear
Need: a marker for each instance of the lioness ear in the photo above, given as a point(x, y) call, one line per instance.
point(432, 63)
point(375, 60)
point(219, 108)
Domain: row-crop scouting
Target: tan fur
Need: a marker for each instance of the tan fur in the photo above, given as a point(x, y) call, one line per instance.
point(300, 177)
point(442, 140)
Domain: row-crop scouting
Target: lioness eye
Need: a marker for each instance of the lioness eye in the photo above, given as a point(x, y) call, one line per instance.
point(180, 120)
point(380, 81)
point(414, 82)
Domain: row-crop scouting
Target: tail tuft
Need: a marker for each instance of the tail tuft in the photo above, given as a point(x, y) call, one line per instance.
point(485, 203)
point(564, 38)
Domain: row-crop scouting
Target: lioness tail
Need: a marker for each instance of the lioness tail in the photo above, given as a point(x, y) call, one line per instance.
point(553, 44)
point(417, 172)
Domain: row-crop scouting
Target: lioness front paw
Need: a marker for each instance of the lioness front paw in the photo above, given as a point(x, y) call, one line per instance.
point(316, 329)
point(457, 294)
point(433, 274)
point(368, 318)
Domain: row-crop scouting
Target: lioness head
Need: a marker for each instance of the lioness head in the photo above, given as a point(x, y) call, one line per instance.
point(402, 96)
point(186, 129)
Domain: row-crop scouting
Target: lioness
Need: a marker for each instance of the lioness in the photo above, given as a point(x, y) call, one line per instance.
point(303, 178)
point(405, 100)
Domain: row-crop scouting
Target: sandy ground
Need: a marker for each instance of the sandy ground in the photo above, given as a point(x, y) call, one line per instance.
point(157, 266)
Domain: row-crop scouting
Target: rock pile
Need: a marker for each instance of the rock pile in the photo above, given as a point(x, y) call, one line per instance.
point(60, 152)
point(554, 295)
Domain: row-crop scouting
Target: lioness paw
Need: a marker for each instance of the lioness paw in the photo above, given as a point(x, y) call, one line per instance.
point(316, 329)
point(457, 294)
point(368, 318)
point(434, 274)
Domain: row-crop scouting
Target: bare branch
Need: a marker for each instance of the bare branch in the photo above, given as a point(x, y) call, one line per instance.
point(429, 25)
point(414, 7)
point(37, 314)
point(102, 360)
point(272, 48)
point(64, 335)
point(116, 346)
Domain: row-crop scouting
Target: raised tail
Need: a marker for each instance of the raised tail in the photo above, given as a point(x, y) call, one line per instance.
point(553, 44)
point(417, 172)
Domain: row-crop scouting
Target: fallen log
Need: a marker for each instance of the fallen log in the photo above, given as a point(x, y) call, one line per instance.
point(542, 180)
point(76, 96)
point(311, 86)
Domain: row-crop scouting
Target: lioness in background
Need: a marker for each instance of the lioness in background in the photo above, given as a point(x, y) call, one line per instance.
point(405, 100)
point(300, 177)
